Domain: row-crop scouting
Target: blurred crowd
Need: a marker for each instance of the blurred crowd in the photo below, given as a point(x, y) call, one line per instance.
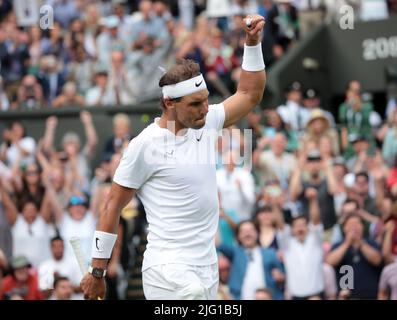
point(106, 53)
point(313, 217)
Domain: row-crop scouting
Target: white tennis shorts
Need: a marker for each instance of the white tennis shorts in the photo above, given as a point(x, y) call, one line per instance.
point(180, 282)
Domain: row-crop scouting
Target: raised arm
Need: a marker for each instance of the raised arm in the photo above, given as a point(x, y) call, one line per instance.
point(9, 206)
point(108, 222)
point(253, 76)
point(90, 132)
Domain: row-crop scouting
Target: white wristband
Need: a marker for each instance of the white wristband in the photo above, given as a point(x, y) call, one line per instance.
point(253, 58)
point(103, 244)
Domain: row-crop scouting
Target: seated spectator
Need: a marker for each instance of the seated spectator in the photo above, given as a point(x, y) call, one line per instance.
point(365, 199)
point(17, 145)
point(4, 102)
point(63, 289)
point(362, 254)
point(58, 266)
point(81, 70)
point(252, 266)
point(69, 97)
point(389, 246)
point(51, 77)
point(22, 282)
point(311, 101)
point(302, 247)
point(292, 112)
point(101, 94)
point(30, 94)
point(122, 134)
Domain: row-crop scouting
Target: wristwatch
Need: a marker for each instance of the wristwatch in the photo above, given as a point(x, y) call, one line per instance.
point(97, 272)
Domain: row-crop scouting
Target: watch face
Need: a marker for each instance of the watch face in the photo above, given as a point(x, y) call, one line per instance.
point(97, 272)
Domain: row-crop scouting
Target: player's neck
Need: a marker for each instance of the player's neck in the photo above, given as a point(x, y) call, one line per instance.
point(172, 125)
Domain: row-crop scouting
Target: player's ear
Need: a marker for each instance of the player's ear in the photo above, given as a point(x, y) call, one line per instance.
point(168, 104)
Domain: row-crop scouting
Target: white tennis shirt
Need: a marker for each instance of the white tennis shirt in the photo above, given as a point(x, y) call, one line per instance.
point(175, 177)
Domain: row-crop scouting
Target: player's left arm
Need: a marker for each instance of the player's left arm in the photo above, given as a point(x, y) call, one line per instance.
point(252, 83)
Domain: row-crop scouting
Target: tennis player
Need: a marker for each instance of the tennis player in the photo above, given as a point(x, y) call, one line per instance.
point(178, 192)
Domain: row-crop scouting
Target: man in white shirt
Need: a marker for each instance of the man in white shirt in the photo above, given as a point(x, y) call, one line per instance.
point(237, 187)
point(303, 252)
point(171, 167)
point(58, 266)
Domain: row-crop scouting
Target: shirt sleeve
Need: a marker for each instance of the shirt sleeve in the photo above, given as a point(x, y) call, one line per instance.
point(284, 236)
point(135, 167)
point(215, 117)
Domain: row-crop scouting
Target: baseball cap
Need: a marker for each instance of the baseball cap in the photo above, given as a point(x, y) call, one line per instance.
point(76, 200)
point(353, 138)
point(311, 93)
point(294, 86)
point(18, 262)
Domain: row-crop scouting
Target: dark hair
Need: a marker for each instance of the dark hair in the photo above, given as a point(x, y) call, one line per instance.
point(298, 217)
point(25, 201)
point(56, 238)
point(350, 216)
point(183, 70)
point(349, 200)
point(57, 280)
point(362, 174)
point(244, 222)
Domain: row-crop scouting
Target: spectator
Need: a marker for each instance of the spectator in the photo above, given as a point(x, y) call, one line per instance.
point(303, 251)
point(51, 78)
point(388, 283)
point(58, 266)
point(319, 179)
point(366, 201)
point(122, 134)
point(389, 148)
point(22, 281)
point(362, 254)
point(81, 70)
point(4, 102)
point(310, 14)
point(5, 231)
point(228, 221)
point(318, 127)
point(109, 40)
point(30, 94)
point(63, 289)
point(121, 81)
point(78, 221)
point(76, 160)
point(252, 267)
point(236, 186)
point(101, 94)
point(276, 163)
point(69, 97)
point(224, 272)
point(389, 247)
point(17, 146)
point(265, 220)
point(354, 115)
point(31, 230)
point(64, 11)
point(292, 111)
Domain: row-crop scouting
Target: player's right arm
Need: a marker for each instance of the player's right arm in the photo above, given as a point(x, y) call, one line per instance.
point(109, 217)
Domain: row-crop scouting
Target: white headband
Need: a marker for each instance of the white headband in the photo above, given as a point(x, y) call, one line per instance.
point(184, 88)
